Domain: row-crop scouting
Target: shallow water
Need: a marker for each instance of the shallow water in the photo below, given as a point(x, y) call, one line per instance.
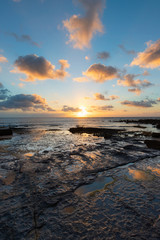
point(98, 184)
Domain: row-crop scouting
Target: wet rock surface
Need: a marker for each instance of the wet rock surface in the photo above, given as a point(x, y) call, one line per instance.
point(121, 178)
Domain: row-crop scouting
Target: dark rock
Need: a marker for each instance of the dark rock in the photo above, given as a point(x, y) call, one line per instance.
point(138, 126)
point(99, 132)
point(52, 130)
point(21, 130)
point(45, 151)
point(156, 135)
point(5, 131)
point(154, 144)
point(158, 126)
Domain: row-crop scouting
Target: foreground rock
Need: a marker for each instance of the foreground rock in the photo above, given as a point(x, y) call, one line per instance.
point(100, 132)
point(154, 144)
point(5, 131)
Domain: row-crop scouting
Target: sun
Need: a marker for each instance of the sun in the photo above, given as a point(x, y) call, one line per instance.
point(83, 112)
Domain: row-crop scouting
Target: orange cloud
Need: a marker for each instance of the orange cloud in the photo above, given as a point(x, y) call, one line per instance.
point(129, 81)
point(82, 29)
point(98, 73)
point(38, 68)
point(3, 59)
point(135, 90)
point(99, 96)
point(113, 97)
point(87, 58)
point(150, 58)
point(80, 79)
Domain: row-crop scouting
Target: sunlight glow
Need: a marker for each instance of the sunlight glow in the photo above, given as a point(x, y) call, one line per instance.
point(83, 112)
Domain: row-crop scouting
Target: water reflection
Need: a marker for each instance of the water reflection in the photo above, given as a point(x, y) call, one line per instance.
point(135, 174)
point(97, 185)
point(156, 170)
point(29, 154)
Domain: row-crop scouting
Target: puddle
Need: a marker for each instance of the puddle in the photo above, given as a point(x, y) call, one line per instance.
point(155, 170)
point(29, 154)
point(135, 174)
point(95, 186)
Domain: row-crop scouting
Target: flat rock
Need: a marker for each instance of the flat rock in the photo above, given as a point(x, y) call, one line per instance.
point(100, 132)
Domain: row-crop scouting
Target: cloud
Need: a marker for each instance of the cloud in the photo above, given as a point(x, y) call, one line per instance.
point(129, 81)
point(87, 58)
point(125, 50)
point(113, 97)
point(21, 85)
point(150, 58)
point(80, 79)
point(82, 29)
point(70, 109)
point(102, 108)
point(25, 102)
point(141, 104)
point(145, 73)
point(137, 91)
point(103, 55)
point(99, 96)
point(24, 38)
point(99, 73)
point(38, 68)
point(3, 59)
point(3, 92)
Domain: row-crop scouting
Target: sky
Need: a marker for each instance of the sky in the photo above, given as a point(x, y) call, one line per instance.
point(80, 58)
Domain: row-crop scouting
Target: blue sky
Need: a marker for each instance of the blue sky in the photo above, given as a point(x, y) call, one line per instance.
point(42, 28)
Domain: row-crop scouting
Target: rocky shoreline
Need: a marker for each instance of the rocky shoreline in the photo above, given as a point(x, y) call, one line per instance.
point(106, 190)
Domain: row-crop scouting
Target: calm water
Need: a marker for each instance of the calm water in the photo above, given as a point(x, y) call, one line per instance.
point(51, 134)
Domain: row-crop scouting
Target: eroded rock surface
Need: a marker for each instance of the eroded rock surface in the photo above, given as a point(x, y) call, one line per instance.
point(39, 197)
